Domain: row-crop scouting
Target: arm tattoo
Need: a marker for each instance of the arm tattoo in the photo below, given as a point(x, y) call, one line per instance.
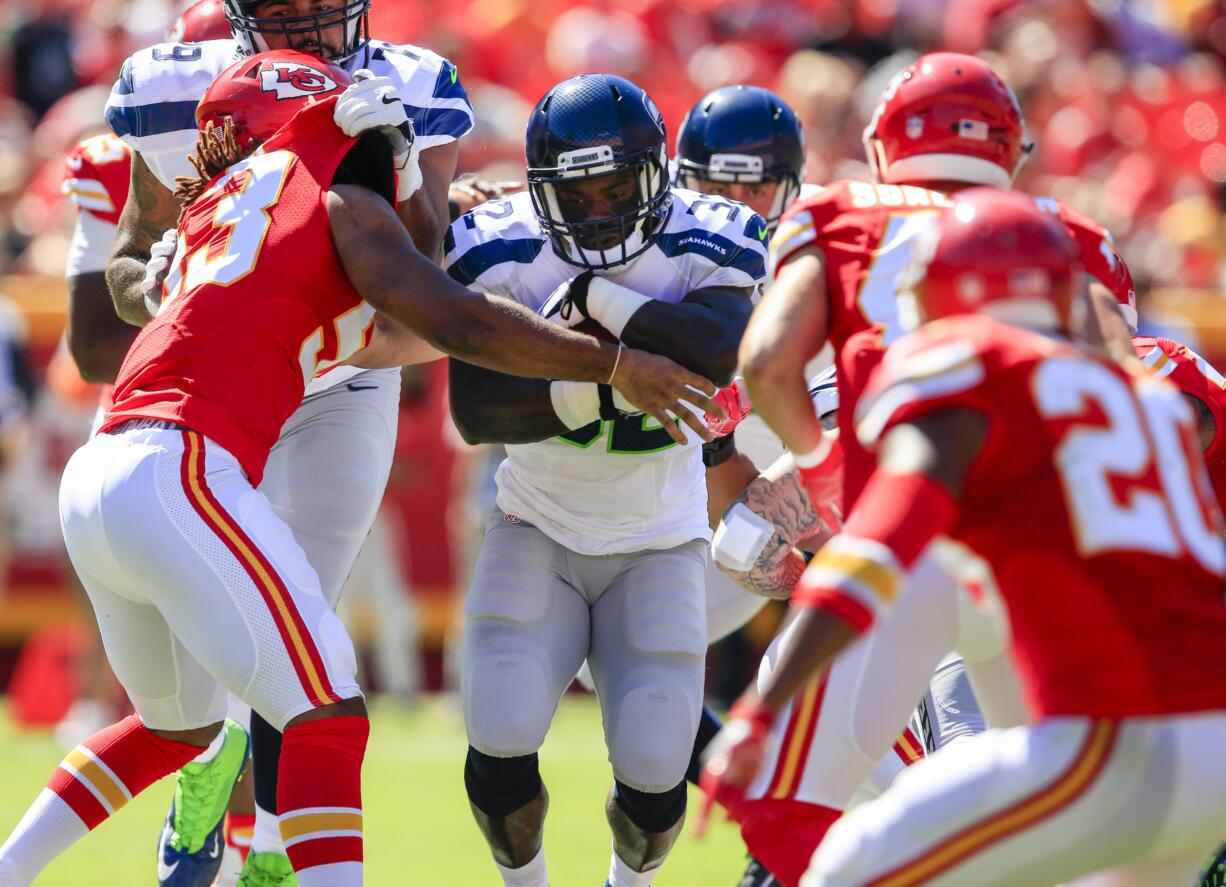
point(148, 212)
point(782, 502)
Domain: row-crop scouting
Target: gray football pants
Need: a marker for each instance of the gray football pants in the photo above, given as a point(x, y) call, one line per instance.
point(535, 610)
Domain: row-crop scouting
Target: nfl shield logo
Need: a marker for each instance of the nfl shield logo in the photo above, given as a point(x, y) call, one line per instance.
point(511, 518)
point(915, 127)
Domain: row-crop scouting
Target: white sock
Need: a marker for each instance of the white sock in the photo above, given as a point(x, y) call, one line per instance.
point(530, 875)
point(214, 747)
point(266, 836)
point(48, 829)
point(621, 875)
point(336, 874)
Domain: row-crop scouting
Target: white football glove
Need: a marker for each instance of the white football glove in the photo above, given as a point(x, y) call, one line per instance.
point(372, 102)
point(160, 255)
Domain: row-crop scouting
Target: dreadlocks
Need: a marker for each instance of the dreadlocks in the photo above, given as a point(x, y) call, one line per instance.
point(214, 152)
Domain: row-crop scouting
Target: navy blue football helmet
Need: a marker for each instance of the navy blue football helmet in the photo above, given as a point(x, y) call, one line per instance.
point(597, 169)
point(742, 134)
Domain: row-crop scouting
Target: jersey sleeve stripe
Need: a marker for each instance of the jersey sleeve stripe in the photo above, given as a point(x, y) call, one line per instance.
point(150, 120)
point(450, 123)
point(123, 86)
point(477, 260)
point(792, 234)
point(1159, 363)
point(447, 85)
point(875, 411)
point(717, 249)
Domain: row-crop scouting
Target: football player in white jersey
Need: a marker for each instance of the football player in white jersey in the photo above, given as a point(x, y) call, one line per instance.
point(598, 546)
point(345, 429)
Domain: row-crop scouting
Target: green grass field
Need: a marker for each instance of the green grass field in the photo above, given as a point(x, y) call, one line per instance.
point(418, 828)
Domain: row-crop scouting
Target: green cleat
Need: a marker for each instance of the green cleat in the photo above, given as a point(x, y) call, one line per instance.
point(267, 870)
point(202, 791)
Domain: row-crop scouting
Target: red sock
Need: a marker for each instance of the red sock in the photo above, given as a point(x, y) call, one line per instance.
point(319, 792)
point(239, 828)
point(114, 765)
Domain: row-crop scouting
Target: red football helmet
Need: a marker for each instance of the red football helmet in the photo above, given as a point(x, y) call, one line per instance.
point(201, 21)
point(263, 92)
point(947, 117)
point(995, 252)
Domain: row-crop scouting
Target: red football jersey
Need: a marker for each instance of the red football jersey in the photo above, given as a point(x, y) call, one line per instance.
point(1091, 505)
point(866, 233)
point(256, 302)
point(1193, 375)
point(96, 176)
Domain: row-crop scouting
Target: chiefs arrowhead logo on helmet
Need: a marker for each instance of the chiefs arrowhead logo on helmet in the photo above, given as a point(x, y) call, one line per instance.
point(290, 80)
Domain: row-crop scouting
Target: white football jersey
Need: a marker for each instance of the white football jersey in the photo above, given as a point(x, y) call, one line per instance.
point(623, 485)
point(152, 107)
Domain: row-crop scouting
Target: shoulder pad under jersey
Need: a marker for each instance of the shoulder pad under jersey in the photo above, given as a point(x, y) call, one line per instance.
point(1096, 249)
point(725, 239)
point(429, 85)
point(492, 242)
point(96, 174)
point(930, 365)
point(152, 105)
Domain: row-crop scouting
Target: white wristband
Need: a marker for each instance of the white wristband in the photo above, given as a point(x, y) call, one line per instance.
point(612, 305)
point(815, 456)
point(740, 538)
point(576, 403)
point(408, 180)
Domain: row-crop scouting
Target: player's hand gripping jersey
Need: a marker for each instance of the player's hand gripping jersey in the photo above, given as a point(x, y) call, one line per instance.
point(1195, 376)
point(652, 491)
point(1091, 504)
point(152, 106)
point(262, 322)
point(867, 234)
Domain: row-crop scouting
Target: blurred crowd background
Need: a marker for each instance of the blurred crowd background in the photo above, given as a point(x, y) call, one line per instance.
point(1126, 100)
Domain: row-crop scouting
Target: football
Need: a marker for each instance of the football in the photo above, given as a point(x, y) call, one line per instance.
point(593, 328)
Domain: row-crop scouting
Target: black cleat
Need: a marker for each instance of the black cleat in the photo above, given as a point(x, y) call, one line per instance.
point(757, 875)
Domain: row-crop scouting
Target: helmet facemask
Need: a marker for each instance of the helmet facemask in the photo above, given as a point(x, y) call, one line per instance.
point(746, 169)
point(619, 237)
point(251, 31)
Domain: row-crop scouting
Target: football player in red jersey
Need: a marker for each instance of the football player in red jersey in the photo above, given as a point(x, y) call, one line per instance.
point(944, 123)
point(1081, 485)
point(198, 584)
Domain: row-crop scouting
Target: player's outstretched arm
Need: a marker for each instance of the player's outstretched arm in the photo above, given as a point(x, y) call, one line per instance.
point(150, 210)
point(398, 280)
point(97, 338)
point(789, 326)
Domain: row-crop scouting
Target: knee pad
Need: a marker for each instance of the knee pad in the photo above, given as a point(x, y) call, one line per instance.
point(500, 786)
point(651, 739)
point(651, 811)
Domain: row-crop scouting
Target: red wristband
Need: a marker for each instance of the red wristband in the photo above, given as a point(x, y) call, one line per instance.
point(757, 713)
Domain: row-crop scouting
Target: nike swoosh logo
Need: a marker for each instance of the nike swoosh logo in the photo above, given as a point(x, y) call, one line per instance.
point(455, 74)
point(761, 234)
point(355, 387)
point(216, 851)
point(164, 870)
